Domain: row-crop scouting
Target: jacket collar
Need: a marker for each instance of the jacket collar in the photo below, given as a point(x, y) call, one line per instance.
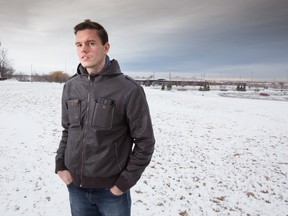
point(111, 68)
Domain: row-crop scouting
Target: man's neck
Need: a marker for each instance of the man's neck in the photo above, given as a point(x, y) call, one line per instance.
point(95, 71)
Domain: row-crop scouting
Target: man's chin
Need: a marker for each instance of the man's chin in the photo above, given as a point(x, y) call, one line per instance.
point(86, 65)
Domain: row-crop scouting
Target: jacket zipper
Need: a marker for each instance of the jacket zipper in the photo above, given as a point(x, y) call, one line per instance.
point(85, 130)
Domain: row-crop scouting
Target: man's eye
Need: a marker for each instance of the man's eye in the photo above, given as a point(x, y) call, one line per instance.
point(78, 45)
point(91, 43)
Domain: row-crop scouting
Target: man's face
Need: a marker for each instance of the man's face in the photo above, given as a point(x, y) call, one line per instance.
point(91, 52)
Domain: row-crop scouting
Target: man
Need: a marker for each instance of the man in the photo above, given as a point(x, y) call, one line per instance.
point(107, 140)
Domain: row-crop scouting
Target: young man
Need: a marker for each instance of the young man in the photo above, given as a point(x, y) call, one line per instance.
point(107, 140)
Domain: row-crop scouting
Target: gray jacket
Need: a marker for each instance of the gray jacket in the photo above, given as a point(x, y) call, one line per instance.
point(108, 137)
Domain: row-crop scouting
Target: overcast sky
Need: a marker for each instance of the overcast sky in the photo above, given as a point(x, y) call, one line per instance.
point(228, 38)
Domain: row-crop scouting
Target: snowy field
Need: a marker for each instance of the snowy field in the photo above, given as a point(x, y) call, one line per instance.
point(214, 155)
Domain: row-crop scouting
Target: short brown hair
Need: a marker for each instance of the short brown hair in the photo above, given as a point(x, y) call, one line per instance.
point(88, 24)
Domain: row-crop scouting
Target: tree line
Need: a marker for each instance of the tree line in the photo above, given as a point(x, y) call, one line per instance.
point(55, 76)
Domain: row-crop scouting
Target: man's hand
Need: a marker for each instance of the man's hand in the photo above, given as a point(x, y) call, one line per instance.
point(65, 176)
point(116, 191)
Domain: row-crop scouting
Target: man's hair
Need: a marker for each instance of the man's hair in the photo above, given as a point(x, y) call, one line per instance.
point(88, 24)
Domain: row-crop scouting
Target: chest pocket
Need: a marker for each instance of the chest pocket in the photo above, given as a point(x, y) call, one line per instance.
point(103, 113)
point(74, 112)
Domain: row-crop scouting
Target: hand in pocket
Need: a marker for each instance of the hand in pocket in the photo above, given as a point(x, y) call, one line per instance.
point(65, 176)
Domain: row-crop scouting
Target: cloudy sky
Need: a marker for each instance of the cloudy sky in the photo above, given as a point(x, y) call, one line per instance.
point(207, 38)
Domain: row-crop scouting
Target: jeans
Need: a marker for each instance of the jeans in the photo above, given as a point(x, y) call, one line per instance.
point(98, 202)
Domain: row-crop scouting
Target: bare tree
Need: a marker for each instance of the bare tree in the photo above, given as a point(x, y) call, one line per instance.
point(6, 70)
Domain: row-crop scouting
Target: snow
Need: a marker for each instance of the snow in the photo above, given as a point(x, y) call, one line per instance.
point(214, 155)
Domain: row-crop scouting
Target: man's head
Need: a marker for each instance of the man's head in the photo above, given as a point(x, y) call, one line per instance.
point(92, 45)
point(88, 24)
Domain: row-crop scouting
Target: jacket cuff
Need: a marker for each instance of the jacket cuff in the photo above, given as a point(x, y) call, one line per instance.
point(60, 165)
point(122, 184)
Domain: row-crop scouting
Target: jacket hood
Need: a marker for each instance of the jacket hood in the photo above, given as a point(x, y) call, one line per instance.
point(111, 68)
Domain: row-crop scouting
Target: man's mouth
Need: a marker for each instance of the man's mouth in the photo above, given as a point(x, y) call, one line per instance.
point(84, 58)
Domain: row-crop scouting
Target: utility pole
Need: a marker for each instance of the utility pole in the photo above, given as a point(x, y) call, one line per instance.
point(31, 73)
point(65, 66)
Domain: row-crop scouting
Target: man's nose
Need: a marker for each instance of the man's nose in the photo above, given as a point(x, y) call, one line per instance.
point(84, 48)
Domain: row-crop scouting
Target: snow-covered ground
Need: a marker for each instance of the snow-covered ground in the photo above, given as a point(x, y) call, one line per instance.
point(214, 155)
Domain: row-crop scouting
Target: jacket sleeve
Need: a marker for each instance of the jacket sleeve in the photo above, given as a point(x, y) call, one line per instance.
point(139, 122)
point(59, 160)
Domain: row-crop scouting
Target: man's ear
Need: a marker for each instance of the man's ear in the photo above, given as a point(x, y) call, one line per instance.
point(106, 47)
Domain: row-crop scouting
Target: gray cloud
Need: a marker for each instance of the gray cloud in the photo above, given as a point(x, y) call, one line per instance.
point(152, 36)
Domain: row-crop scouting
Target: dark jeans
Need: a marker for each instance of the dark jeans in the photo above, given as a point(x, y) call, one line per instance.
point(98, 202)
